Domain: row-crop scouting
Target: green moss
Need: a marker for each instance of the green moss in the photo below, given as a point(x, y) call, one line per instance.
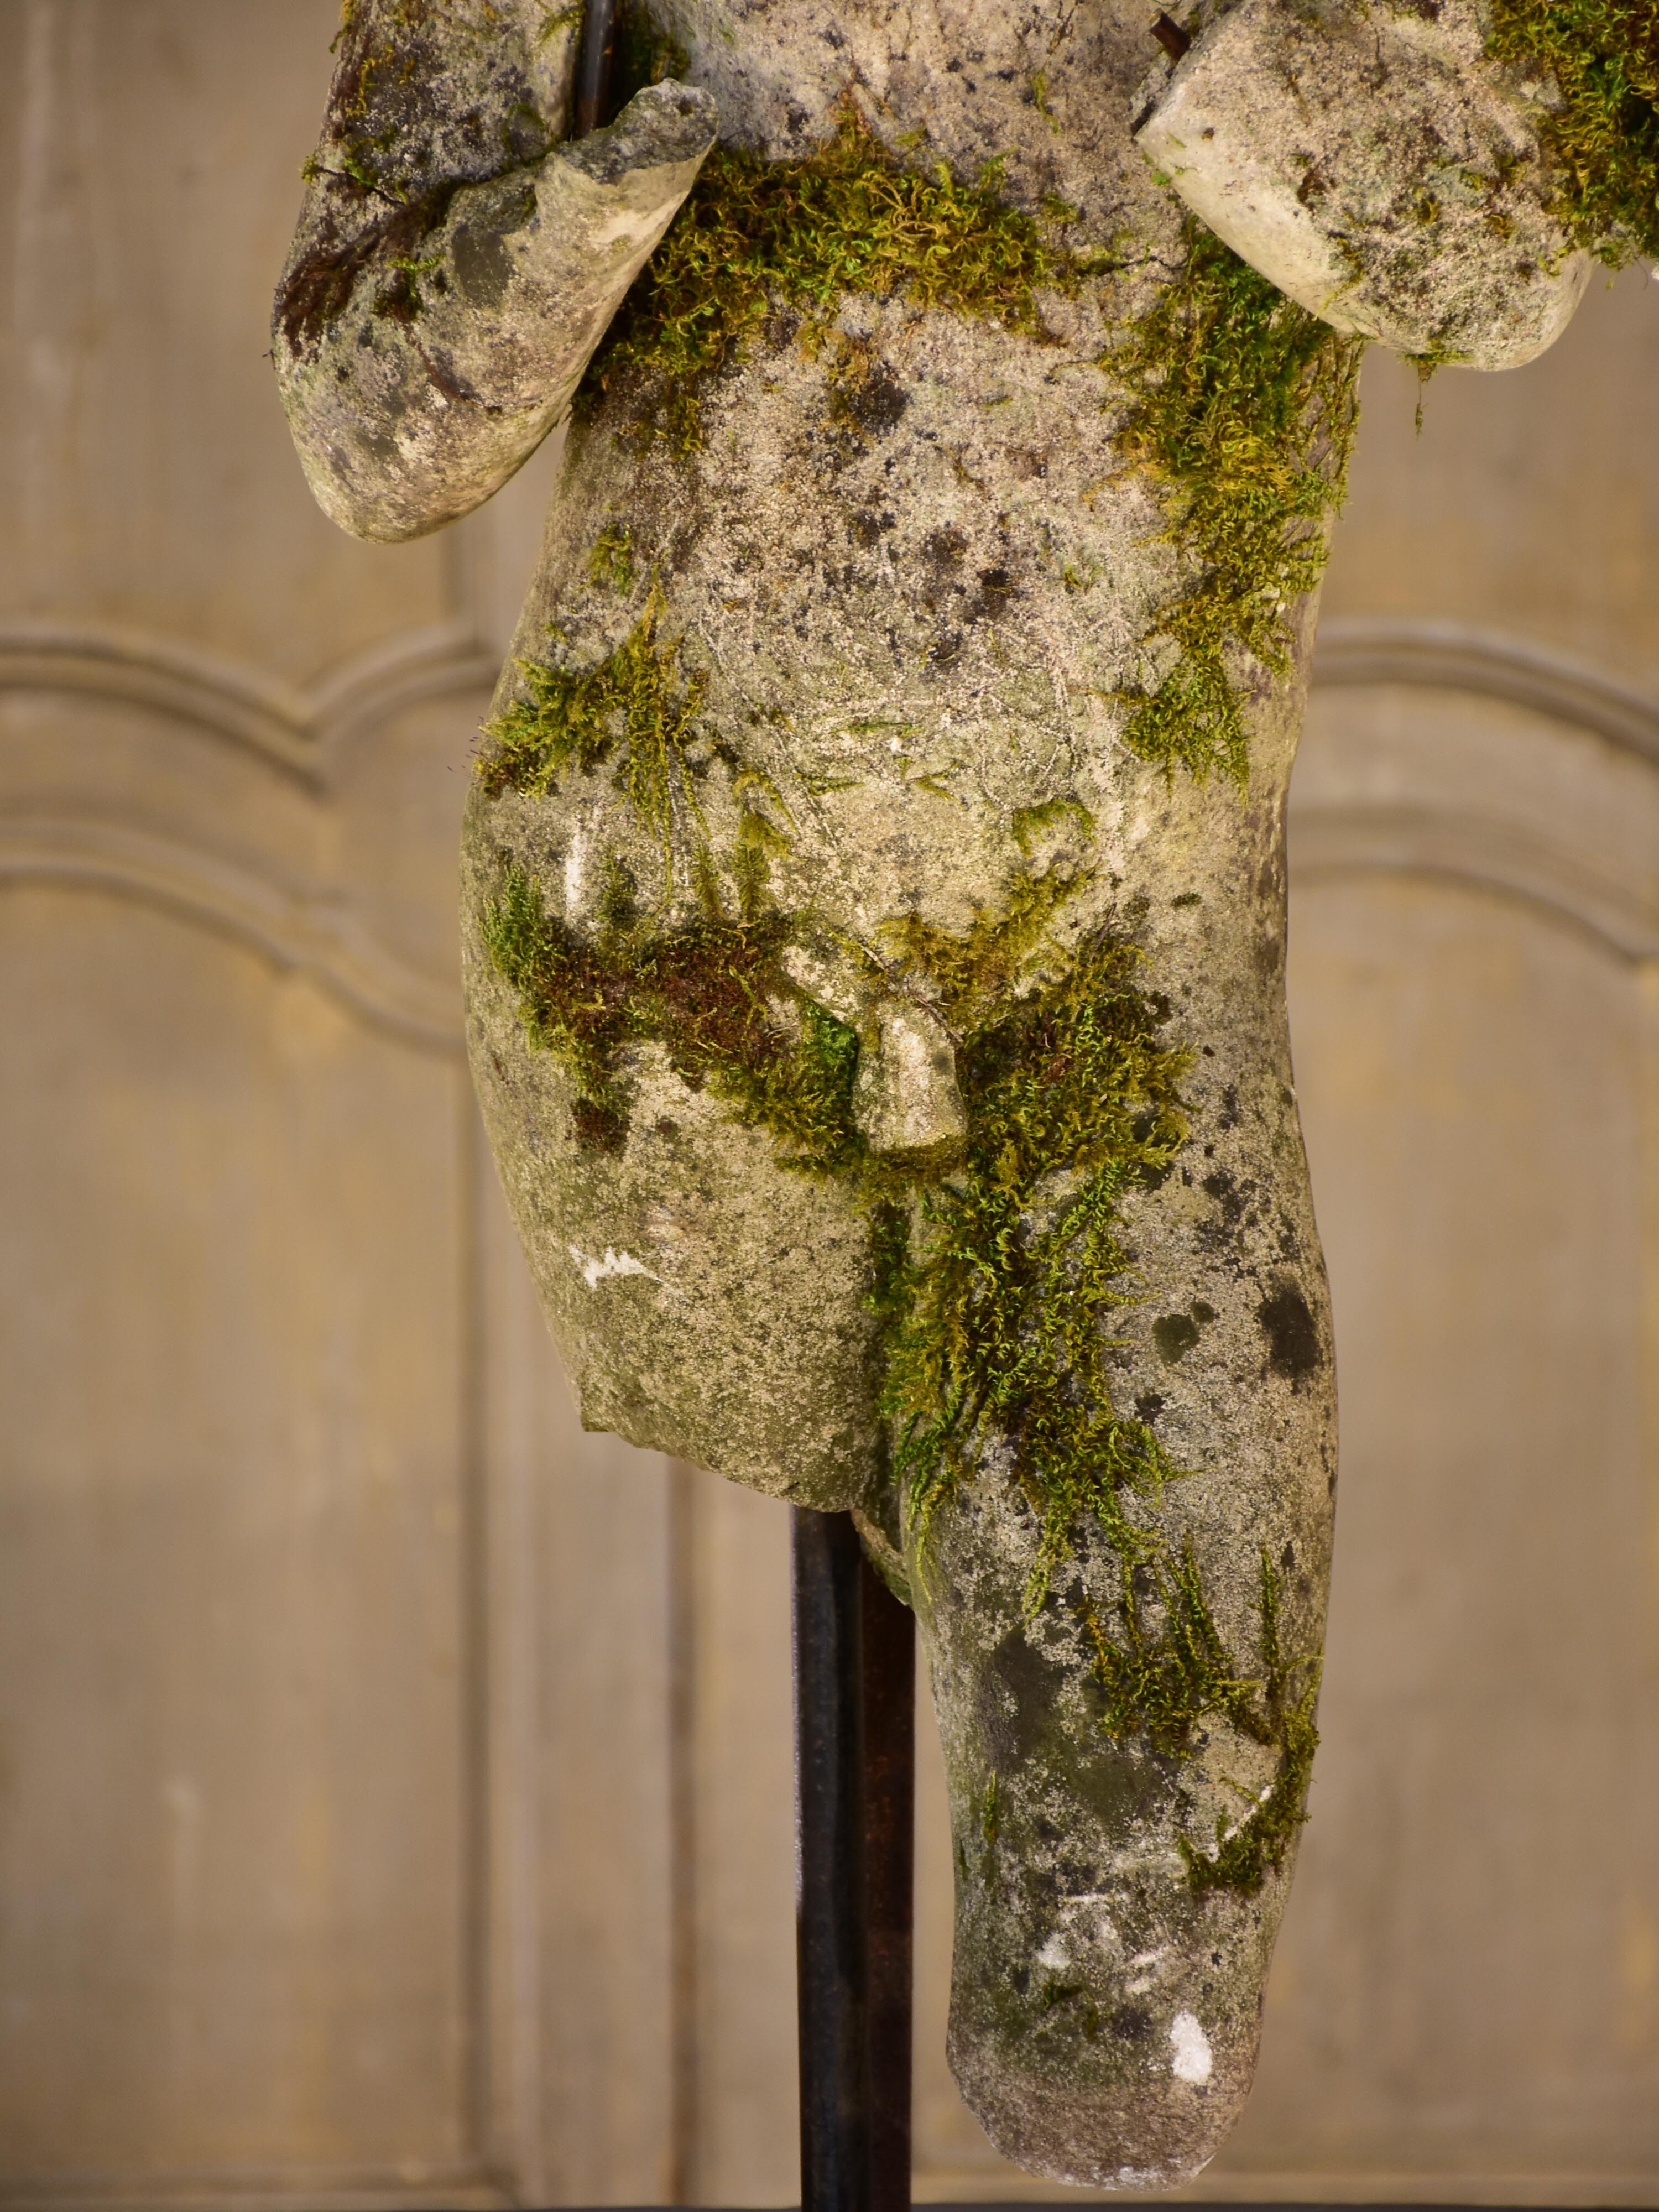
point(1160, 1685)
point(610, 560)
point(1244, 411)
point(1290, 1693)
point(638, 704)
point(714, 994)
point(970, 974)
point(1070, 1099)
point(754, 236)
point(1604, 138)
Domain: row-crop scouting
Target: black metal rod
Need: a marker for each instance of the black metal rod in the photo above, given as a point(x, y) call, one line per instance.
point(890, 1802)
point(831, 1920)
point(854, 1809)
point(593, 66)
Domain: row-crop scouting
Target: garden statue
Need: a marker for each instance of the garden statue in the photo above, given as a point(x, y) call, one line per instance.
point(873, 883)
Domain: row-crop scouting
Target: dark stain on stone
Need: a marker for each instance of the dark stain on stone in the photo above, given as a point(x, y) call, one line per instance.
point(1175, 1335)
point(1233, 1201)
point(484, 266)
point(1219, 1187)
point(877, 402)
point(996, 589)
point(1131, 2023)
point(1293, 1347)
point(1017, 1694)
point(945, 547)
point(1120, 1787)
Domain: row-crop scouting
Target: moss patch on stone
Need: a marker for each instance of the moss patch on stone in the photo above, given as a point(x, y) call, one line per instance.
point(1070, 1099)
point(1603, 136)
point(1162, 1682)
point(1244, 412)
point(713, 993)
point(1245, 1849)
point(638, 703)
point(755, 236)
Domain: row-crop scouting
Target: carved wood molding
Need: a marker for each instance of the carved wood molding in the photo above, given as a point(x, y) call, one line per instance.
point(289, 728)
point(1557, 864)
point(1491, 856)
point(1453, 657)
point(315, 936)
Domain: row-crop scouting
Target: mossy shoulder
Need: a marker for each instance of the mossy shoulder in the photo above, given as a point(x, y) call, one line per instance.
point(1244, 412)
point(755, 236)
point(1602, 58)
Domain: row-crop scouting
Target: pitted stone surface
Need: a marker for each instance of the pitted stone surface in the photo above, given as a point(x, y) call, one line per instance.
point(1372, 162)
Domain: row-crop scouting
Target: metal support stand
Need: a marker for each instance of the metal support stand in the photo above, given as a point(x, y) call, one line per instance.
point(593, 66)
point(854, 1799)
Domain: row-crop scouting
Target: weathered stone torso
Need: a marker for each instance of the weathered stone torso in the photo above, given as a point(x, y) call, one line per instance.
point(873, 914)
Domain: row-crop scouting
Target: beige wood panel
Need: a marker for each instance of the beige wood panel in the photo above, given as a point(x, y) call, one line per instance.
point(1530, 502)
point(234, 1513)
point(584, 1588)
point(1465, 1988)
point(745, 2149)
point(145, 469)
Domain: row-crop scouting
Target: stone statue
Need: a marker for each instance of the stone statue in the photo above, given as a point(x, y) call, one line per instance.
point(874, 899)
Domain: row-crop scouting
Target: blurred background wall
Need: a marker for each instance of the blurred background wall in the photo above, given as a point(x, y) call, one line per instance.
point(394, 1782)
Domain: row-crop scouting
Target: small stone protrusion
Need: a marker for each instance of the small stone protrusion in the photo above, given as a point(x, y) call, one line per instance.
point(907, 1098)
